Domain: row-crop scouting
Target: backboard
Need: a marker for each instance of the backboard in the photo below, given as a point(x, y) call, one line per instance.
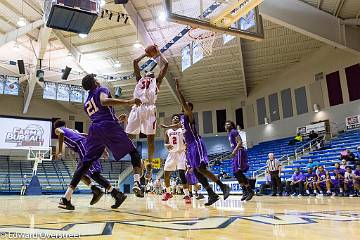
point(233, 17)
point(40, 153)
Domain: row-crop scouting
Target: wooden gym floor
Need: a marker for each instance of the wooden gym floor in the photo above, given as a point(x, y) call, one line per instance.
point(150, 218)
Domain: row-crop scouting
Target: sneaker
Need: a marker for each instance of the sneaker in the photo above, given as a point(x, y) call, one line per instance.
point(187, 199)
point(65, 204)
point(97, 194)
point(200, 196)
point(244, 196)
point(313, 194)
point(226, 191)
point(305, 194)
point(167, 196)
point(137, 190)
point(119, 198)
point(212, 200)
point(273, 195)
point(294, 194)
point(250, 195)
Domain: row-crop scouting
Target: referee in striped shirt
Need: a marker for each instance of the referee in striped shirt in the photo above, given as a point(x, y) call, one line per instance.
point(273, 167)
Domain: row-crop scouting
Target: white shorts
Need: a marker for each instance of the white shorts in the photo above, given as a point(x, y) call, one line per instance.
point(175, 161)
point(142, 118)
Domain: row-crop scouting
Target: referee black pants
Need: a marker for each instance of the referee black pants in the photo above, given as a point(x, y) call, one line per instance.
point(276, 182)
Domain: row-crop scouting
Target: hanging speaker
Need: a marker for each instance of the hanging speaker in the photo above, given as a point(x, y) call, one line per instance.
point(121, 1)
point(66, 73)
point(40, 75)
point(21, 66)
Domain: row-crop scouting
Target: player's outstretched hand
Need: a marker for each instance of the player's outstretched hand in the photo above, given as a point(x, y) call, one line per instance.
point(135, 101)
point(163, 126)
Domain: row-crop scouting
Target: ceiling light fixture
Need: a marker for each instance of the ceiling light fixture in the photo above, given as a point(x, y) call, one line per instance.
point(162, 16)
point(117, 64)
point(137, 44)
point(102, 3)
point(21, 22)
point(16, 46)
point(83, 35)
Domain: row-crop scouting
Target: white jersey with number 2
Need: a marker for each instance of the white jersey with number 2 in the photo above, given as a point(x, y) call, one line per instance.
point(176, 139)
point(146, 90)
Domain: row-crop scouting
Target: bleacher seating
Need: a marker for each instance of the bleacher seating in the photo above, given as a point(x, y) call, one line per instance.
point(327, 157)
point(258, 155)
point(54, 176)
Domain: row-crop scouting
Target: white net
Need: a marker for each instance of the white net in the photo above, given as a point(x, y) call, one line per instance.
point(202, 39)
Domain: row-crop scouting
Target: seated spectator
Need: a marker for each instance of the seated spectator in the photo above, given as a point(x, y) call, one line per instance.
point(338, 182)
point(223, 175)
point(348, 156)
point(349, 181)
point(343, 164)
point(310, 182)
point(297, 138)
point(313, 135)
point(323, 181)
point(357, 180)
point(265, 185)
point(297, 181)
point(311, 164)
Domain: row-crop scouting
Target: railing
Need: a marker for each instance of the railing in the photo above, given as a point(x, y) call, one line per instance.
point(220, 158)
point(283, 159)
point(124, 174)
point(308, 146)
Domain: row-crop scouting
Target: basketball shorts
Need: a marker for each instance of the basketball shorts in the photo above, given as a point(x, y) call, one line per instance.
point(142, 119)
point(175, 161)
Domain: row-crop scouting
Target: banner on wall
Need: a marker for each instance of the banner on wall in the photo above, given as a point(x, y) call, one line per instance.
point(235, 188)
point(352, 122)
point(16, 133)
point(156, 162)
point(316, 127)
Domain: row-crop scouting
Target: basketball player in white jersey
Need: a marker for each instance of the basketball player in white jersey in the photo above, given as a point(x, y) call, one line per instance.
point(176, 159)
point(143, 118)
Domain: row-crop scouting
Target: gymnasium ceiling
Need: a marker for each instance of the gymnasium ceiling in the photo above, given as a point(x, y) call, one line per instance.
point(219, 76)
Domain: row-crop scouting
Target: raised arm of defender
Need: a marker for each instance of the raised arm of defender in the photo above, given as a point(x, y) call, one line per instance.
point(186, 108)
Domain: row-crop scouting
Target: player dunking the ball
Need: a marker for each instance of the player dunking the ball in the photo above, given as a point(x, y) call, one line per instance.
point(196, 152)
point(104, 131)
point(176, 159)
point(143, 118)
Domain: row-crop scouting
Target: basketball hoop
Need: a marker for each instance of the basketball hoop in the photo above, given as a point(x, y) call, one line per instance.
point(204, 38)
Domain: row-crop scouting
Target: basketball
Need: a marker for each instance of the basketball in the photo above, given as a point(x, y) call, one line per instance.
point(152, 51)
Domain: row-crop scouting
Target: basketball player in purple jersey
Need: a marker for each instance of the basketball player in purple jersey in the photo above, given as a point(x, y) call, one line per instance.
point(76, 142)
point(196, 152)
point(143, 118)
point(323, 181)
point(240, 163)
point(338, 182)
point(104, 131)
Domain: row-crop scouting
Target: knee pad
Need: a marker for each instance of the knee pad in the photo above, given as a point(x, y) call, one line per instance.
point(182, 176)
point(135, 158)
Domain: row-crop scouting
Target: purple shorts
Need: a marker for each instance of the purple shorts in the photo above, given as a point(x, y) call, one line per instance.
point(196, 153)
point(108, 134)
point(191, 178)
point(95, 167)
point(240, 161)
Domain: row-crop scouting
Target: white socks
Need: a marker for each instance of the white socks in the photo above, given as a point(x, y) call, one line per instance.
point(186, 191)
point(68, 193)
point(137, 177)
point(307, 191)
point(111, 188)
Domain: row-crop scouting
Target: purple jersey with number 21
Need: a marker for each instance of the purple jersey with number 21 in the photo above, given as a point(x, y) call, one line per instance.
point(105, 130)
